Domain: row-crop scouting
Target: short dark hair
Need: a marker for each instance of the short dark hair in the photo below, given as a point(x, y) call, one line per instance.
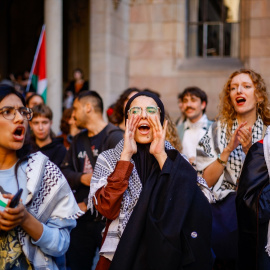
point(42, 110)
point(194, 91)
point(94, 95)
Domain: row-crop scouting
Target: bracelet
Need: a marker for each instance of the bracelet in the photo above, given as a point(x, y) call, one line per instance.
point(223, 163)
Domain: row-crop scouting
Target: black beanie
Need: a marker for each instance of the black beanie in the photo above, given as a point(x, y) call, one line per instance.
point(151, 95)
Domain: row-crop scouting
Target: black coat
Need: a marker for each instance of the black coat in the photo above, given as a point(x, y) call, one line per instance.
point(253, 210)
point(170, 227)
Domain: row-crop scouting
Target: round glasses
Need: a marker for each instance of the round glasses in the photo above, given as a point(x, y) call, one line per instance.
point(10, 112)
point(150, 110)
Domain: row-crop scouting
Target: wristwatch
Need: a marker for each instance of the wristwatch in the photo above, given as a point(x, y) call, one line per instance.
point(223, 163)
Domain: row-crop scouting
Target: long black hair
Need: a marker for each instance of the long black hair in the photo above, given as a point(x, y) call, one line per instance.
point(22, 154)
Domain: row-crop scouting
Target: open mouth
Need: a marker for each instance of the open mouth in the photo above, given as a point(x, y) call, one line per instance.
point(144, 128)
point(240, 100)
point(18, 133)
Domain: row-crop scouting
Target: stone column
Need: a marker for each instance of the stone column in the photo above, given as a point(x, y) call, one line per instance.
point(109, 39)
point(54, 34)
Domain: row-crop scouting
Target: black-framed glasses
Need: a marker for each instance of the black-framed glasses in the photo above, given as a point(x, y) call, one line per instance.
point(9, 112)
point(150, 110)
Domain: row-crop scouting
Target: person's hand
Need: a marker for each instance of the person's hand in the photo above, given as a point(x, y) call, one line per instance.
point(130, 146)
point(86, 179)
point(157, 147)
point(245, 138)
point(82, 206)
point(234, 142)
point(12, 217)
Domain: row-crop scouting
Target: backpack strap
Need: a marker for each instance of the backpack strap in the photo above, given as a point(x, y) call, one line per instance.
point(109, 130)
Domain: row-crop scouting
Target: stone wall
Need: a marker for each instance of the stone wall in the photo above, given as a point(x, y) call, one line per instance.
point(259, 38)
point(157, 51)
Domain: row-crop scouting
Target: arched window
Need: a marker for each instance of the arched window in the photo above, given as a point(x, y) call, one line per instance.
point(213, 28)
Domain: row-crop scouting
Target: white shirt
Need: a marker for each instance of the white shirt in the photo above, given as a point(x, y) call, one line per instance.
point(192, 135)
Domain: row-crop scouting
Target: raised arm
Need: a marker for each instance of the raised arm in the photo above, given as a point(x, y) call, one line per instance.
point(212, 173)
point(108, 198)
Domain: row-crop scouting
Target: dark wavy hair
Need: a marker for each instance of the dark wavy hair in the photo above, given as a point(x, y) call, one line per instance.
point(118, 114)
point(197, 92)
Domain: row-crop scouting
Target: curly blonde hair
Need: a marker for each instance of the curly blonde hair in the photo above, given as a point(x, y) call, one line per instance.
point(171, 134)
point(227, 113)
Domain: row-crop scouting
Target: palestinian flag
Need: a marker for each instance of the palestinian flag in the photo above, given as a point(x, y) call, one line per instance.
point(38, 71)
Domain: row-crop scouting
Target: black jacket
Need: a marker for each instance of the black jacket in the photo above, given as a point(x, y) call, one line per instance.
point(253, 210)
point(72, 166)
point(55, 150)
point(71, 87)
point(170, 227)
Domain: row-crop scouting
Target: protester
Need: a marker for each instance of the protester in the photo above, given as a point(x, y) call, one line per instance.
point(252, 204)
point(78, 168)
point(157, 217)
point(68, 127)
point(243, 116)
point(33, 100)
point(37, 230)
point(194, 102)
point(118, 117)
point(77, 85)
point(43, 137)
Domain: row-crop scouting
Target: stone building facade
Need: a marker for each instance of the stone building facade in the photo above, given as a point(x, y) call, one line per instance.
point(148, 44)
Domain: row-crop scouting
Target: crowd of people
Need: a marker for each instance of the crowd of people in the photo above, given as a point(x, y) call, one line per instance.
point(142, 190)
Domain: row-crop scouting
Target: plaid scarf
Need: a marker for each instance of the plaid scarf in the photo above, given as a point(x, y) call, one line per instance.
point(213, 143)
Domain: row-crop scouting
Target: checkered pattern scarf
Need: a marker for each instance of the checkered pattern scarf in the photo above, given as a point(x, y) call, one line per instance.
point(235, 158)
point(213, 143)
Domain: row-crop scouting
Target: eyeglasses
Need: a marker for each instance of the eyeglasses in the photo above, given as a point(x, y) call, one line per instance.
point(10, 112)
point(150, 110)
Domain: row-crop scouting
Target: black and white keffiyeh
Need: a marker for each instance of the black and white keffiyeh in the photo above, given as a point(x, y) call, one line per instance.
point(213, 143)
point(49, 197)
point(105, 165)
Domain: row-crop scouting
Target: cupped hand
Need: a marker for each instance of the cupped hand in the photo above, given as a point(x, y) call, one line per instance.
point(245, 138)
point(157, 146)
point(234, 141)
point(12, 217)
point(130, 146)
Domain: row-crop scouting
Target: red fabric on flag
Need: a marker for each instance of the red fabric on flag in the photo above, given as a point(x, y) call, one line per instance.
point(40, 65)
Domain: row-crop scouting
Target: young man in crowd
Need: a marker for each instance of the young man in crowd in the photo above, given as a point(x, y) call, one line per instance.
point(42, 136)
point(194, 101)
point(78, 168)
